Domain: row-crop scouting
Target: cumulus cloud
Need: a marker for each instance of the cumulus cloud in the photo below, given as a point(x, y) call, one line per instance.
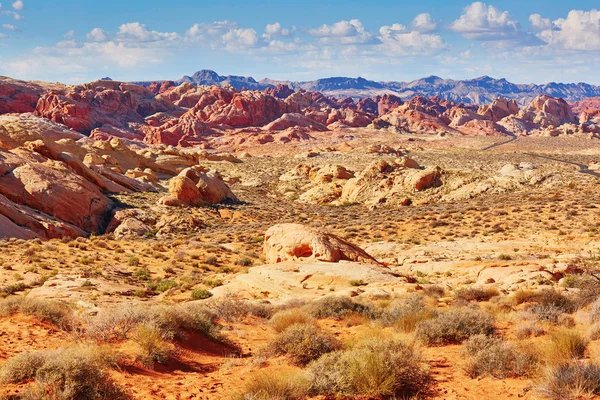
point(399, 42)
point(212, 30)
point(424, 23)
point(343, 32)
point(225, 35)
point(3, 36)
point(483, 22)
point(9, 27)
point(240, 38)
point(276, 30)
point(18, 5)
point(137, 32)
point(97, 35)
point(540, 23)
point(580, 31)
point(69, 35)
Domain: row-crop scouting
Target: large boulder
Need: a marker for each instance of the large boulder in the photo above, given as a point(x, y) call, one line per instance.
point(295, 242)
point(194, 186)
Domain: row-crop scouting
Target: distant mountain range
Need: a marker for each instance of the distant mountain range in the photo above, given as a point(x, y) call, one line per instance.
point(481, 90)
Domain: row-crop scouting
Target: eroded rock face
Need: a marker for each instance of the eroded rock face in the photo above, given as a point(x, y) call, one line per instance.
point(85, 107)
point(194, 186)
point(499, 109)
point(52, 188)
point(18, 96)
point(547, 111)
point(295, 242)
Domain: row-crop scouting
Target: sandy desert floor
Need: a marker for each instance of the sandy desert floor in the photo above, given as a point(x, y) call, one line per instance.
point(500, 250)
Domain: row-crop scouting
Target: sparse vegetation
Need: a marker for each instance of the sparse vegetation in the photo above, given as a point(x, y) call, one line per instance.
point(455, 326)
point(303, 343)
point(372, 369)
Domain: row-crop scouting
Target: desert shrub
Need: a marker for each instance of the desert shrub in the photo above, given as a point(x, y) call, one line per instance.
point(570, 380)
point(529, 329)
point(153, 347)
point(303, 343)
point(69, 373)
point(476, 293)
point(522, 296)
point(244, 262)
point(12, 289)
point(541, 312)
point(551, 297)
point(232, 310)
point(455, 326)
point(375, 368)
point(21, 367)
point(200, 294)
point(566, 344)
point(275, 385)
point(588, 288)
point(498, 358)
point(50, 311)
point(336, 307)
point(171, 321)
point(406, 314)
point(434, 291)
point(594, 331)
point(162, 285)
point(282, 320)
point(594, 312)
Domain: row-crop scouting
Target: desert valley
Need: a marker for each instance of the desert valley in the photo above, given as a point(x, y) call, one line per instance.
point(177, 241)
point(405, 204)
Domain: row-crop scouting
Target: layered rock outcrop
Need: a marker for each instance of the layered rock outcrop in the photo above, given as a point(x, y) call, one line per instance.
point(295, 242)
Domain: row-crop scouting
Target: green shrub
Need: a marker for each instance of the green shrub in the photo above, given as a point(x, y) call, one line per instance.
point(498, 358)
point(275, 385)
point(69, 373)
point(373, 369)
point(282, 320)
point(200, 294)
point(50, 311)
point(407, 313)
point(567, 344)
point(476, 293)
point(303, 343)
point(570, 380)
point(336, 307)
point(455, 326)
point(153, 347)
point(172, 321)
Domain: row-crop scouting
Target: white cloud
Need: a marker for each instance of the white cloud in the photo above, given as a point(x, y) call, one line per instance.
point(3, 36)
point(397, 42)
point(539, 23)
point(343, 32)
point(18, 5)
point(9, 27)
point(424, 23)
point(483, 22)
point(69, 35)
point(97, 35)
point(240, 38)
point(137, 32)
point(580, 31)
point(390, 30)
point(276, 30)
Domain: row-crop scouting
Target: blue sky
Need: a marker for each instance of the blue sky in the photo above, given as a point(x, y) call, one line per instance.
point(523, 41)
